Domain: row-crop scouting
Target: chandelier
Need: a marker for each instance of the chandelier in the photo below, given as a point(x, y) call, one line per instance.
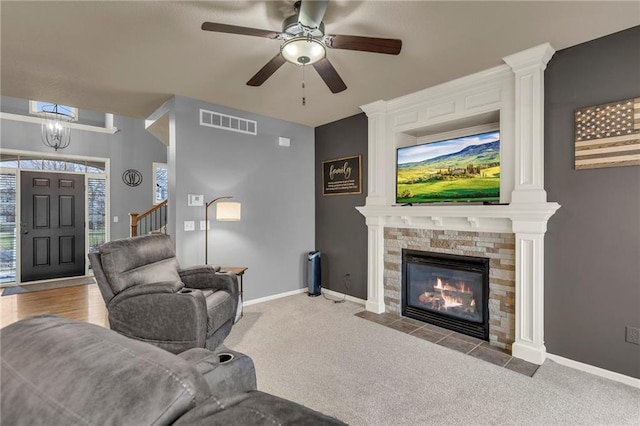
point(56, 126)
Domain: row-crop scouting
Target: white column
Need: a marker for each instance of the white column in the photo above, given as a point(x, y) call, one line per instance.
point(529, 343)
point(528, 67)
point(375, 265)
point(377, 115)
point(376, 196)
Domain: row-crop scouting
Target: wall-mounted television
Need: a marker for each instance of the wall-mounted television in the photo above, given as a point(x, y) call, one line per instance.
point(462, 169)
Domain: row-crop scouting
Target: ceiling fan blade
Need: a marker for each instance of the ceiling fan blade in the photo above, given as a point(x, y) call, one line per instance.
point(312, 12)
point(266, 71)
point(330, 76)
point(390, 46)
point(234, 29)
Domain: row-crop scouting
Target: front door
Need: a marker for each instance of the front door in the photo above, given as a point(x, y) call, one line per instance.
point(51, 225)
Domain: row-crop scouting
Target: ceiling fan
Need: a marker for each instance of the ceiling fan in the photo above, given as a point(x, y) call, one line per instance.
point(305, 43)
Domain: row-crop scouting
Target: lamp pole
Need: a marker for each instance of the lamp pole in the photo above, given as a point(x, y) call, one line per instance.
point(206, 227)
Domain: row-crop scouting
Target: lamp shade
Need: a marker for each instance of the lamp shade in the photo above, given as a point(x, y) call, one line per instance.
point(228, 211)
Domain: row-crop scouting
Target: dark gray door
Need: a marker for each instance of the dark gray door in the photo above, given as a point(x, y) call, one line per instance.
point(51, 225)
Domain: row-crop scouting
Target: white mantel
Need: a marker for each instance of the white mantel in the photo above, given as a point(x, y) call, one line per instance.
point(513, 92)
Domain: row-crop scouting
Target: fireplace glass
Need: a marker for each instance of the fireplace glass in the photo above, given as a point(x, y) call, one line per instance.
point(447, 290)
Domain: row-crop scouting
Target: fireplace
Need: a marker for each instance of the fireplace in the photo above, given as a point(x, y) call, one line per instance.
point(513, 95)
point(450, 291)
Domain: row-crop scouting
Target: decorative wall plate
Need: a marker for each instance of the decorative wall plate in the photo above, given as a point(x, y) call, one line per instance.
point(132, 177)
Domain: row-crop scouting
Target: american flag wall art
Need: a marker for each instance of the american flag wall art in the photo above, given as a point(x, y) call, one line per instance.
point(608, 135)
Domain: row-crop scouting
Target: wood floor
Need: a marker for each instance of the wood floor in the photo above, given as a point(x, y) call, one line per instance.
point(83, 303)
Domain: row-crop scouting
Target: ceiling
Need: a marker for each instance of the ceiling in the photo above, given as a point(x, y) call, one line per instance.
point(128, 58)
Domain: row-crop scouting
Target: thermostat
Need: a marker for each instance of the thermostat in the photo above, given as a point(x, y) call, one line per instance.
point(195, 200)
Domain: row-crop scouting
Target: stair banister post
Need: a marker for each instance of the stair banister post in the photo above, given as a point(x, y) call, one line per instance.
point(134, 224)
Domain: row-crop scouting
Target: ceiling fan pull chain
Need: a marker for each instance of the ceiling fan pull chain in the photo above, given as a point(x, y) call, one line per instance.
point(304, 99)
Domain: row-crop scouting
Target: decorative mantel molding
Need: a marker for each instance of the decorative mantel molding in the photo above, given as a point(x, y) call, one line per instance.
point(502, 218)
point(515, 92)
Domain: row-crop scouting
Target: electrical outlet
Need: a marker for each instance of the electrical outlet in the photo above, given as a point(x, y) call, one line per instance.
point(632, 335)
point(189, 225)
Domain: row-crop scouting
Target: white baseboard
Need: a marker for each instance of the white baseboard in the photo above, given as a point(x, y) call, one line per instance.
point(275, 296)
point(597, 371)
point(303, 290)
point(345, 296)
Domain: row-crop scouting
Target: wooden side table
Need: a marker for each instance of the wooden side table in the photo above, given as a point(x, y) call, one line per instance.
point(239, 271)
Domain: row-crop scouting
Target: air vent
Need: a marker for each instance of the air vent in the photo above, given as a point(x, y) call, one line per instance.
point(228, 122)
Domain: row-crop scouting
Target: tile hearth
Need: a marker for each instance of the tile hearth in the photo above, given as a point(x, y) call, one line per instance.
point(462, 343)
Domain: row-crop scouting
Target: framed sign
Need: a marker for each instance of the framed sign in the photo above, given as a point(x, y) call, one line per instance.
point(342, 176)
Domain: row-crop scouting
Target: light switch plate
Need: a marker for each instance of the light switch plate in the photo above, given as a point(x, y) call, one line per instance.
point(202, 225)
point(189, 225)
point(194, 200)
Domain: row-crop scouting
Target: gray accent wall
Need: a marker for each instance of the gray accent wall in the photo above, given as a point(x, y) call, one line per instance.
point(592, 246)
point(341, 231)
point(273, 183)
point(130, 148)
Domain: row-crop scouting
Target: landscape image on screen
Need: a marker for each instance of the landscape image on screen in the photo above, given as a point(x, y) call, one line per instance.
point(463, 169)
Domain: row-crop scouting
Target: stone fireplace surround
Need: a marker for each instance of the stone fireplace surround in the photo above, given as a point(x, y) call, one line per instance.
point(511, 234)
point(498, 247)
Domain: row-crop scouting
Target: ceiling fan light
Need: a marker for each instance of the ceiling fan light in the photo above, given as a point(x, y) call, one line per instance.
point(302, 51)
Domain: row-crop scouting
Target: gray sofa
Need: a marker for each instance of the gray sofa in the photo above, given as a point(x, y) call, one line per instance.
point(150, 298)
point(56, 371)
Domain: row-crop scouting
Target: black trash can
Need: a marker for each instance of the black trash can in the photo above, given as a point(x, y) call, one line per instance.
point(313, 274)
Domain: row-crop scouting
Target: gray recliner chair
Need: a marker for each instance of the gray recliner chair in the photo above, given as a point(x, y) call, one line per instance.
point(56, 371)
point(149, 298)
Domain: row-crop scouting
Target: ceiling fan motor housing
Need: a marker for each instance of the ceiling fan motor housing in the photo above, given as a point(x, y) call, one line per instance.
point(293, 27)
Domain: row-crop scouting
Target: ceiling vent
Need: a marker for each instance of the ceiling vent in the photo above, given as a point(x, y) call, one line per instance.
point(228, 122)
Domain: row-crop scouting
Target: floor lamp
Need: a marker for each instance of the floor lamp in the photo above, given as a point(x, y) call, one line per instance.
point(228, 211)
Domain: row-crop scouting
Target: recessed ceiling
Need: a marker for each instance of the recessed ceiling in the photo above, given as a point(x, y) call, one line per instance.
point(128, 58)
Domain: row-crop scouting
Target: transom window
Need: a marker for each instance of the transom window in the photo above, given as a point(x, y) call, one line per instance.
point(22, 161)
point(39, 107)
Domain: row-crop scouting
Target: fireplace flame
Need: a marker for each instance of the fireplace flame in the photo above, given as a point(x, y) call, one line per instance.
point(460, 288)
point(443, 295)
point(450, 301)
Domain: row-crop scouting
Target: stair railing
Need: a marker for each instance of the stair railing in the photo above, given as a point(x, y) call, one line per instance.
point(152, 221)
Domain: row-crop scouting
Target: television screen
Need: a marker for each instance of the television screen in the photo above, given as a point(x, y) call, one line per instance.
point(462, 169)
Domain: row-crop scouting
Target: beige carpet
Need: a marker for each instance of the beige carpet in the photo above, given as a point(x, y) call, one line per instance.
point(319, 354)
